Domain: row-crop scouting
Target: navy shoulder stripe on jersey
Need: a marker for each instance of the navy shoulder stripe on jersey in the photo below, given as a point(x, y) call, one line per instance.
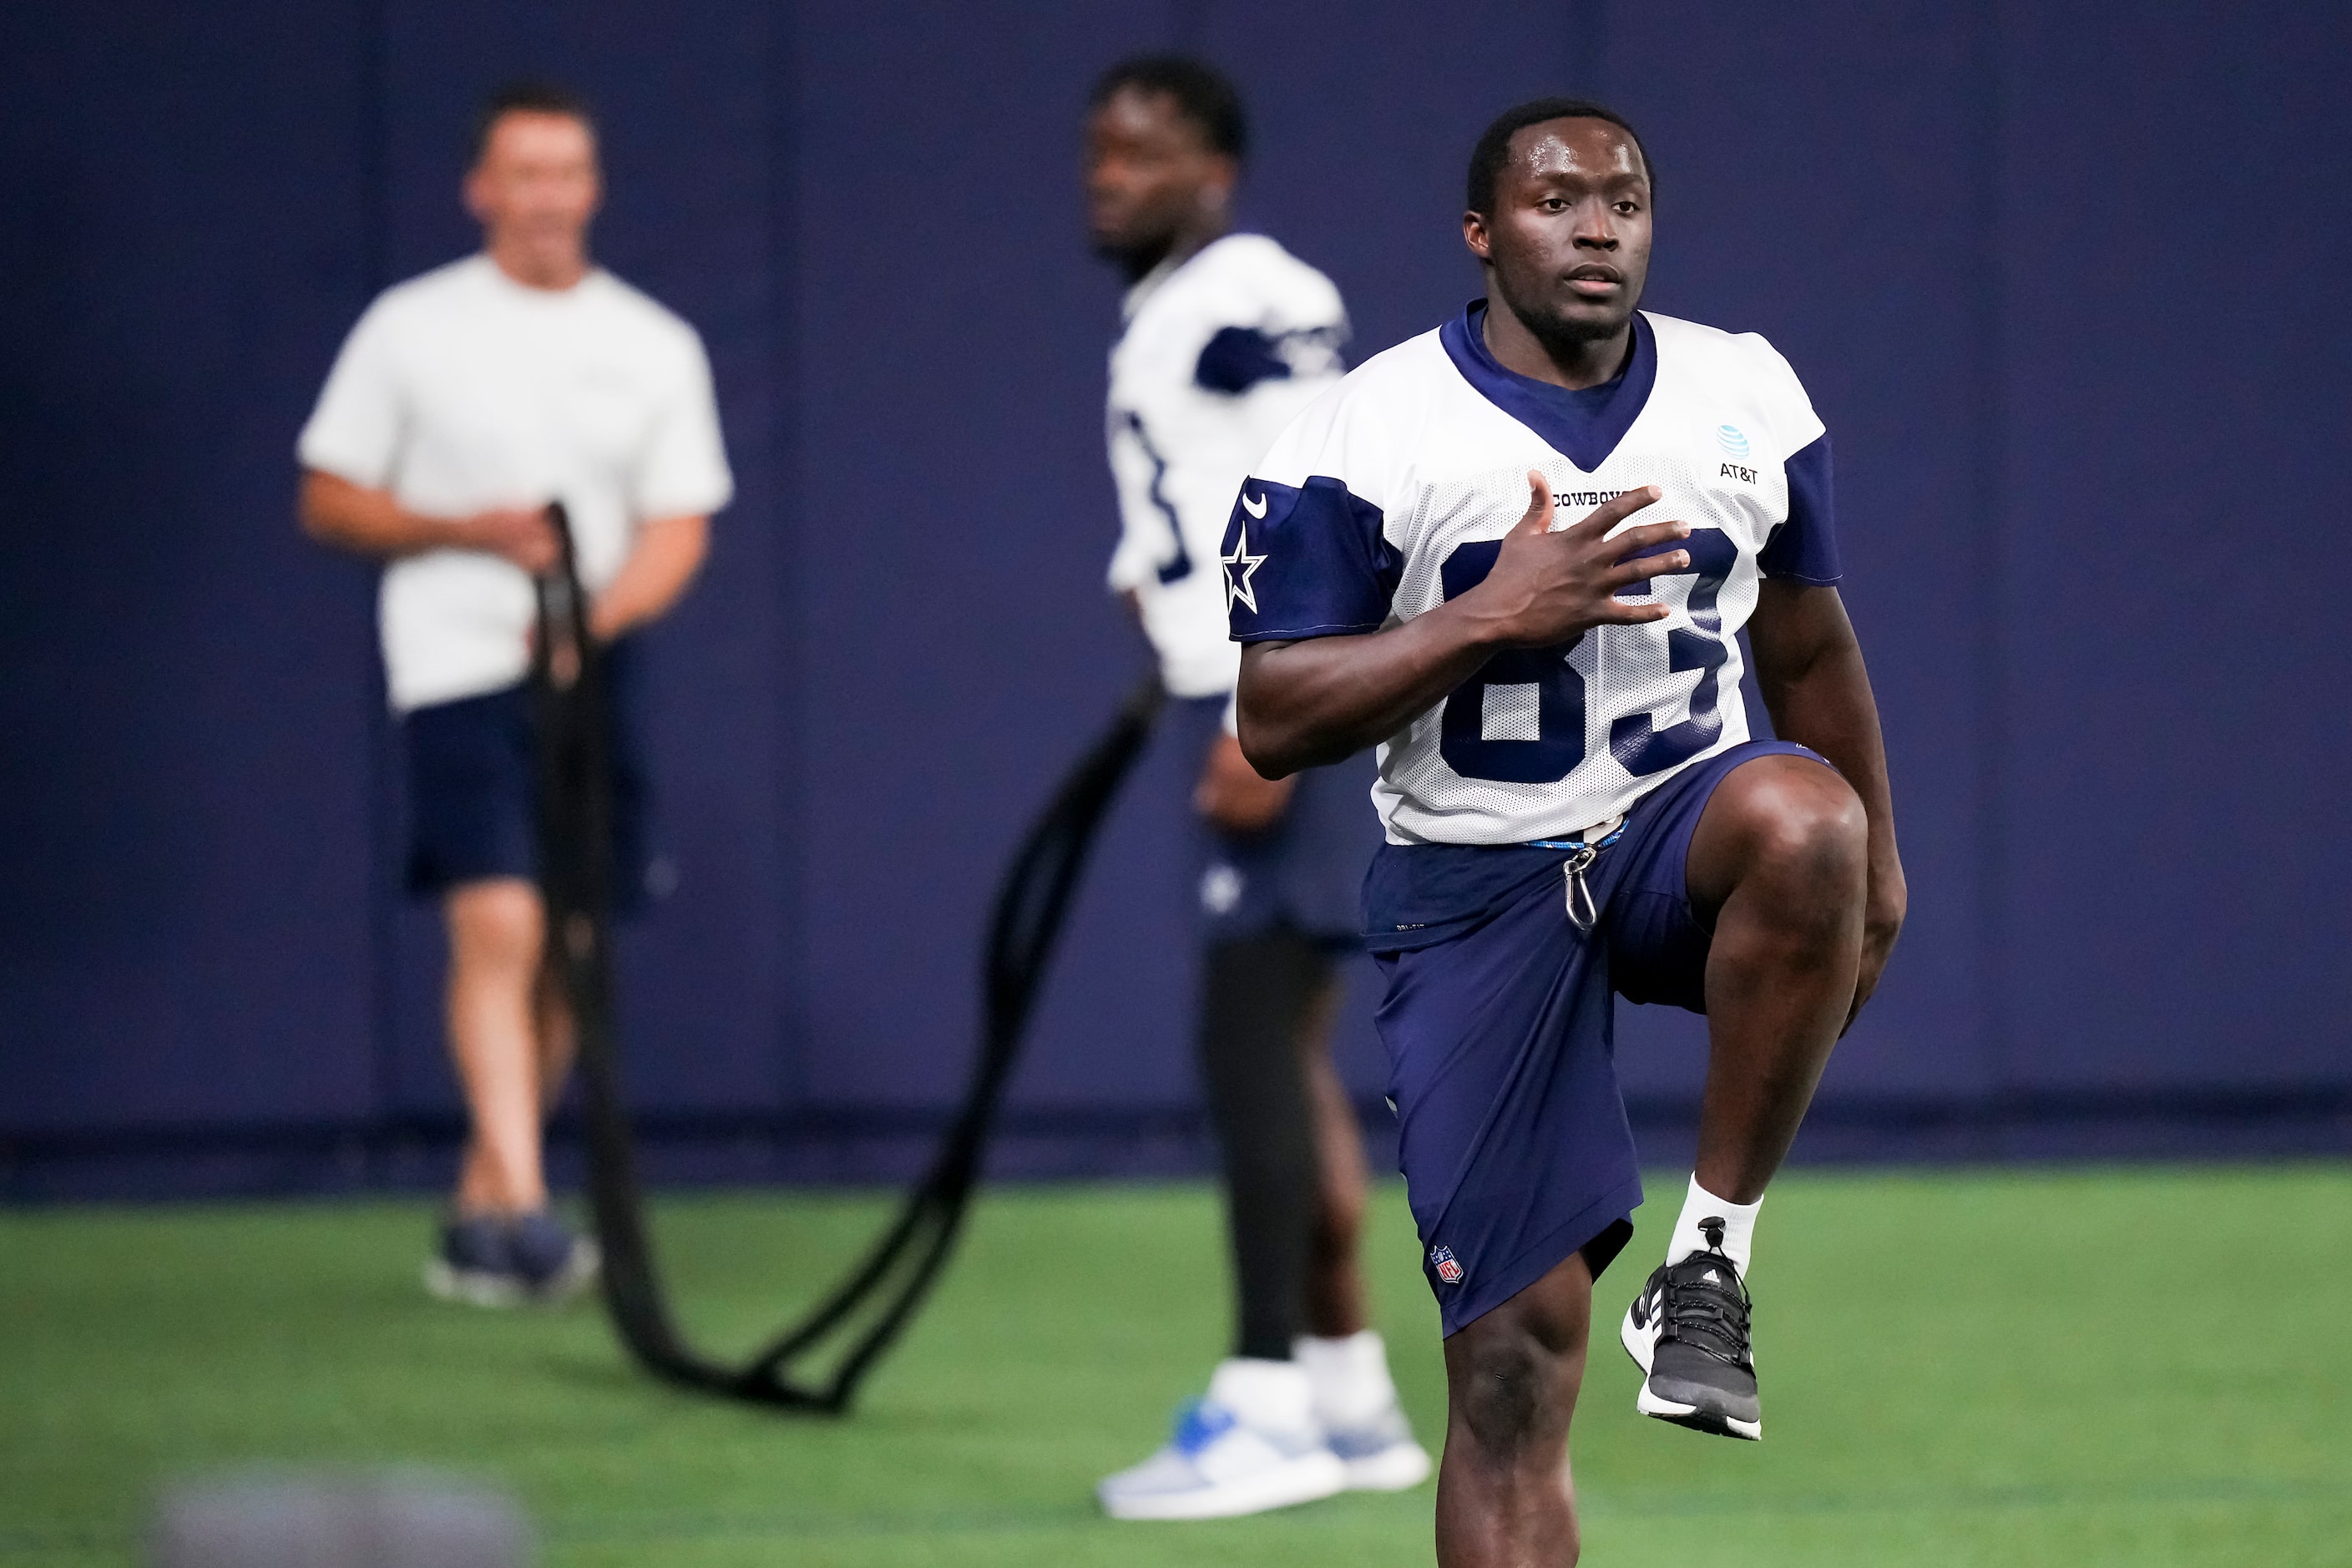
point(1238, 358)
point(1804, 549)
point(1307, 563)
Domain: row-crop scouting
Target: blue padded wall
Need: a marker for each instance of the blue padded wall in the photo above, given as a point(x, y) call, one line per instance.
point(2064, 286)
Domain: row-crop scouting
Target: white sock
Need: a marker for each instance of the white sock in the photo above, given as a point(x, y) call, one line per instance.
point(1690, 1235)
point(1350, 1376)
point(1268, 1395)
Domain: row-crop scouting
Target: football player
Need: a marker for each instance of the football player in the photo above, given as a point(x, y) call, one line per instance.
point(1227, 338)
point(1516, 554)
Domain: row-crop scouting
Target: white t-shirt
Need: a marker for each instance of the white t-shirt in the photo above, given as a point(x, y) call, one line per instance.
point(1221, 351)
point(1391, 495)
point(463, 390)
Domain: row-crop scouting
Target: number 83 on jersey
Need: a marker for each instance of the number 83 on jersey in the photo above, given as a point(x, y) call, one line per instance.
point(1521, 719)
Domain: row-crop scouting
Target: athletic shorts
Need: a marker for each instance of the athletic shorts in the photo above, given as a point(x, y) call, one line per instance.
point(1306, 872)
point(1497, 1020)
point(473, 789)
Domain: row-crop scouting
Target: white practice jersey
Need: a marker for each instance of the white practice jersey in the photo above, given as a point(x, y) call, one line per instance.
point(1393, 493)
point(1221, 351)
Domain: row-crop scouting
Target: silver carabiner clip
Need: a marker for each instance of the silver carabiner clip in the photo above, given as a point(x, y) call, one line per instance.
point(1582, 851)
point(1580, 912)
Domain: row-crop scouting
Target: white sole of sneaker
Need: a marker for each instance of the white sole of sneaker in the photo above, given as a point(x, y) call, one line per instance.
point(1398, 1468)
point(469, 1287)
point(1307, 1478)
point(578, 1273)
point(1639, 1344)
point(1642, 1346)
point(1690, 1415)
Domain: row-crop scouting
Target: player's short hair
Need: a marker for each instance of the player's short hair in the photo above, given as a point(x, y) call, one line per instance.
point(1494, 148)
point(1203, 96)
point(529, 96)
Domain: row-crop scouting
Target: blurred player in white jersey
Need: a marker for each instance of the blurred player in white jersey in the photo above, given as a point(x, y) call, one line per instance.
point(1574, 808)
point(1227, 338)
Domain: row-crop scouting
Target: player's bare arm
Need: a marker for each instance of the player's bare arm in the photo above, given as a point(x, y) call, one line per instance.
point(371, 521)
point(1809, 671)
point(660, 567)
point(1304, 704)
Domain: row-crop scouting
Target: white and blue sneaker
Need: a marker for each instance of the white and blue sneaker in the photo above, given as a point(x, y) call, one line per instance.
point(1379, 1454)
point(1249, 1445)
point(1356, 1406)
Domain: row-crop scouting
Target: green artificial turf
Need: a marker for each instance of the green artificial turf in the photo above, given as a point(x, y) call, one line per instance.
point(2141, 1367)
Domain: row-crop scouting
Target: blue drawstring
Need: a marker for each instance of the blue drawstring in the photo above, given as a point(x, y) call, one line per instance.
point(1614, 834)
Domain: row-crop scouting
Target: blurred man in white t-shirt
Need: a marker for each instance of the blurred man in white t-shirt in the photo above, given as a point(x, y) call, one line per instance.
point(463, 402)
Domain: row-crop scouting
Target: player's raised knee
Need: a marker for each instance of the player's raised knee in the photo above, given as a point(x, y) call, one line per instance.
point(1816, 833)
point(1793, 821)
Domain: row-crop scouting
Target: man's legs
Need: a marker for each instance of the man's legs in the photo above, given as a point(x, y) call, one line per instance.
point(1304, 1404)
point(1778, 861)
point(1511, 1377)
point(1257, 992)
point(511, 1034)
point(497, 931)
point(558, 1042)
point(1253, 1442)
point(1334, 1278)
point(472, 793)
point(1775, 860)
point(1345, 1360)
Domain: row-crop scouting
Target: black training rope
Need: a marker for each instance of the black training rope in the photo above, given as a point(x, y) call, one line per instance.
point(886, 1289)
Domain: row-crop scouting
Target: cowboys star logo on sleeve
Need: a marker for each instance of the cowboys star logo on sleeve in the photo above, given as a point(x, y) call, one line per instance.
point(1240, 565)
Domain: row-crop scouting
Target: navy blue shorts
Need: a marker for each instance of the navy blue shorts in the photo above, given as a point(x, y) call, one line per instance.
point(1306, 871)
point(1498, 1023)
point(473, 789)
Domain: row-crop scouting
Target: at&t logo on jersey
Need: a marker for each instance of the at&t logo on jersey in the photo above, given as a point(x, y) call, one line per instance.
point(1441, 1259)
point(1734, 442)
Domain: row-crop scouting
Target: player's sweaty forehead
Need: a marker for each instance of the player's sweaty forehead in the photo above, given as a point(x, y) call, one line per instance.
point(1585, 151)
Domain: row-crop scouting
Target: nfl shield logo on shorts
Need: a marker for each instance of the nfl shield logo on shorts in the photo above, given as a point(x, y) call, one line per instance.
point(1441, 1259)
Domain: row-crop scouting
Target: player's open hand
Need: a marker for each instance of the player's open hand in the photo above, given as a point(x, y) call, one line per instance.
point(517, 533)
point(1549, 587)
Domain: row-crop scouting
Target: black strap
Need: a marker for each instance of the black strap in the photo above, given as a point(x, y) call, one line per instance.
point(866, 1312)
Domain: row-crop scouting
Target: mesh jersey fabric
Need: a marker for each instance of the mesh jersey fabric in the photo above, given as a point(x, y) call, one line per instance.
point(1220, 351)
point(1391, 492)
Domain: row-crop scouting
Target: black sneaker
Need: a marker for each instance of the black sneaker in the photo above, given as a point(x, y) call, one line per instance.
point(1687, 1330)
